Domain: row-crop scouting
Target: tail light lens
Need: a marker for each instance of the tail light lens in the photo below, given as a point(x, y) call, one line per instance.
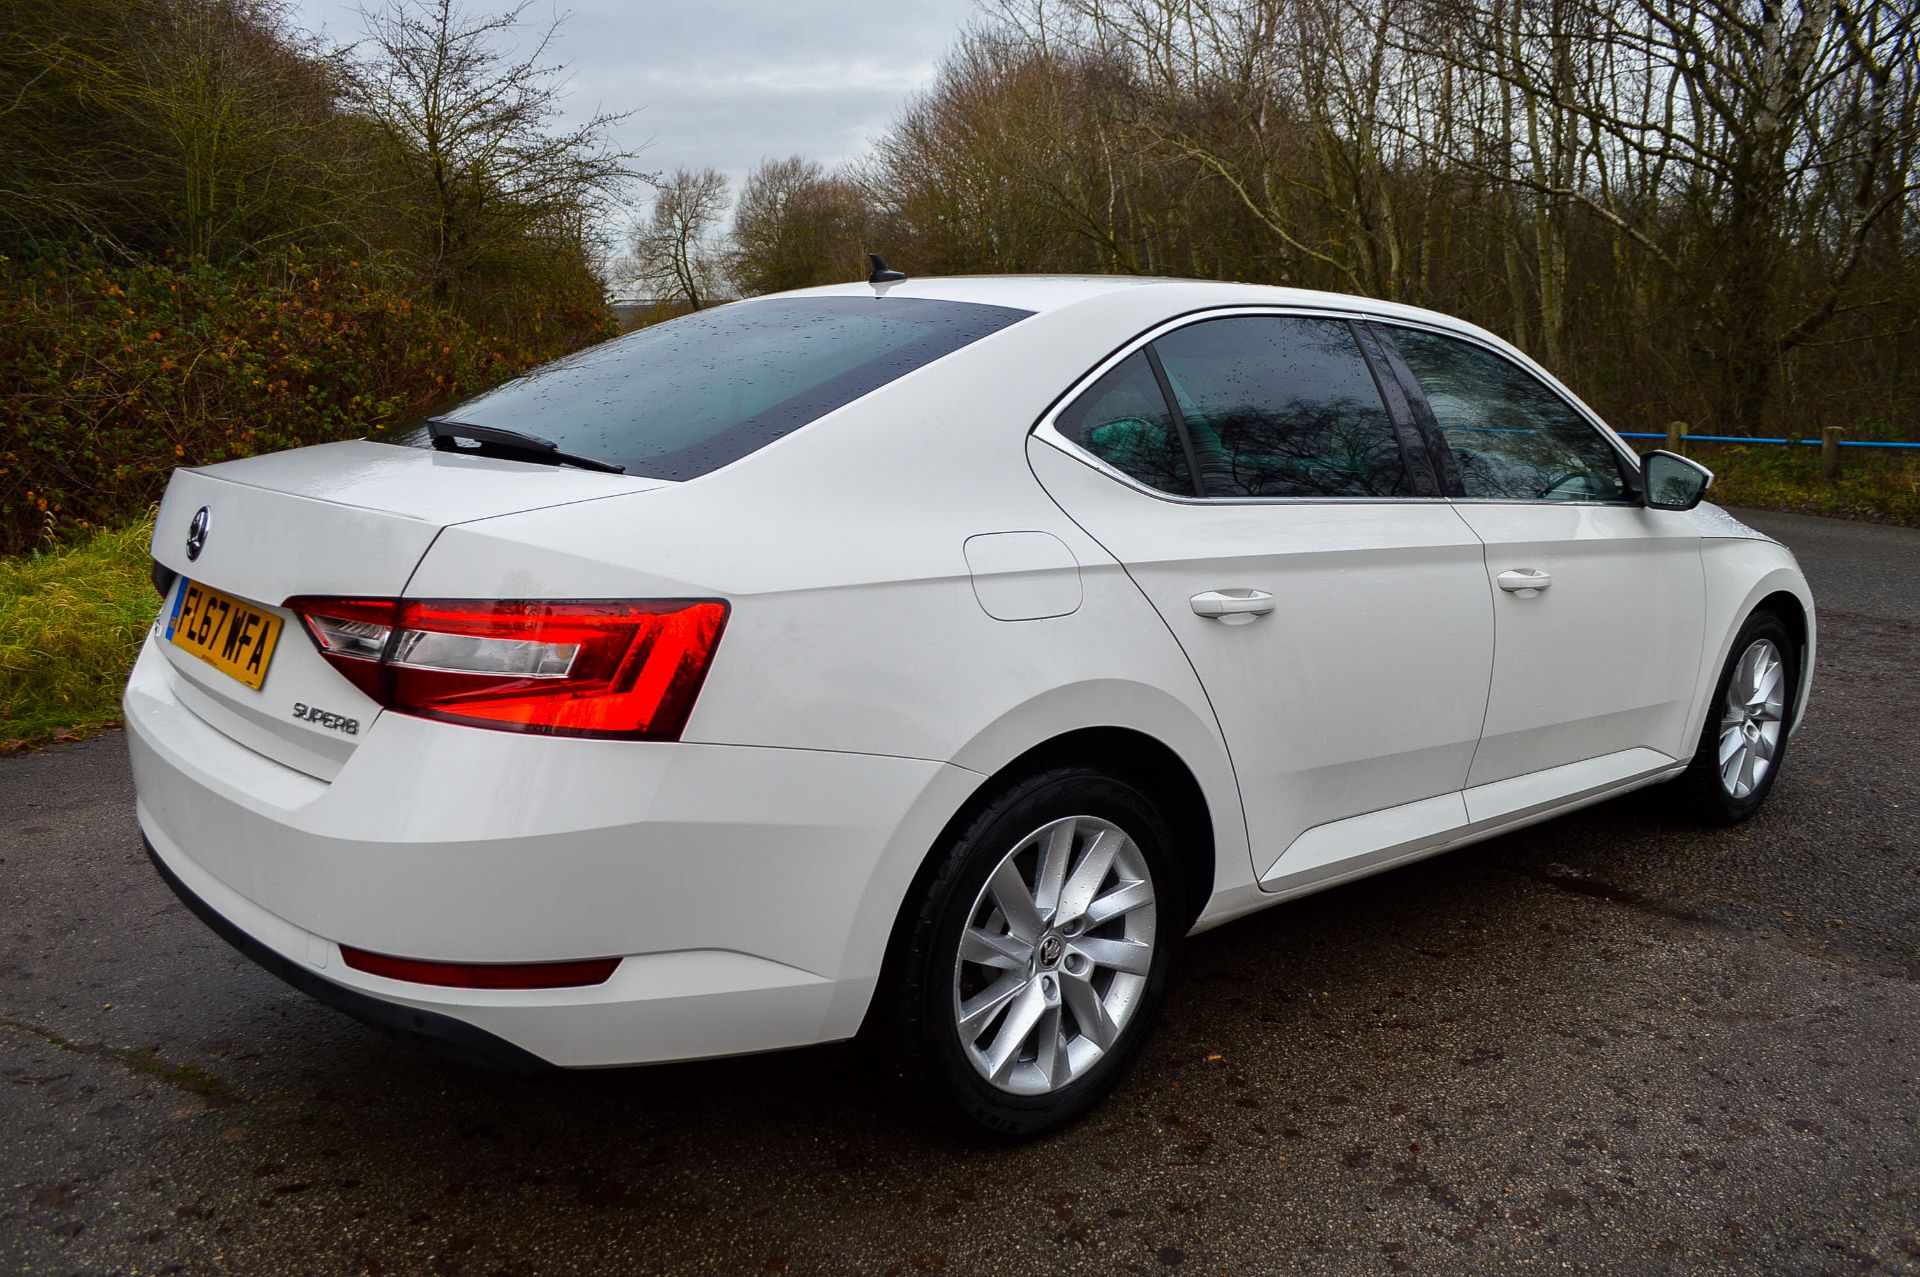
point(617, 668)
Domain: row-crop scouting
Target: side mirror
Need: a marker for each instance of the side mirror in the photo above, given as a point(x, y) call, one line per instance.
point(1669, 481)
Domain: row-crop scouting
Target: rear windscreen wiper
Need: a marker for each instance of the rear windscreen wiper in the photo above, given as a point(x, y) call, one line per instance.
point(444, 432)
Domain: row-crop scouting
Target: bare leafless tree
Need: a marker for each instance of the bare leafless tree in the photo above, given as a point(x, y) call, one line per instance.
point(474, 133)
point(1675, 198)
point(675, 250)
point(198, 126)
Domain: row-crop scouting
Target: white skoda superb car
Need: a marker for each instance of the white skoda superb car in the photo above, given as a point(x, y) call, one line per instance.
point(927, 657)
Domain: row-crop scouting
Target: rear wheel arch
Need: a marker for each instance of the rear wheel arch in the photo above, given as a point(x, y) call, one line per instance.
point(1142, 760)
point(1149, 765)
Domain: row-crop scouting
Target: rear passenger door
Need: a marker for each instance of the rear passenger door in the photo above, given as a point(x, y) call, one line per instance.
point(1272, 498)
point(1599, 603)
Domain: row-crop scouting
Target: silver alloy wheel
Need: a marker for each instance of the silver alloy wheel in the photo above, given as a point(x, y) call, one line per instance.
point(1753, 718)
point(1054, 958)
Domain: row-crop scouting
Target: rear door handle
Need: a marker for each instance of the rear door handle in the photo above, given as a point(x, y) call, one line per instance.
point(1232, 607)
point(1526, 582)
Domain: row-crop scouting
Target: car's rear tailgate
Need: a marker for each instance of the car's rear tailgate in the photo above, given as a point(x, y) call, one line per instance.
point(349, 519)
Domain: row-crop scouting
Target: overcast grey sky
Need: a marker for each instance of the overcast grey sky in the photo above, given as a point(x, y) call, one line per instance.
point(727, 83)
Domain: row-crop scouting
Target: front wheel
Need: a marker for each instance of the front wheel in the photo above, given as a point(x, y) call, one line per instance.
point(1037, 959)
point(1744, 741)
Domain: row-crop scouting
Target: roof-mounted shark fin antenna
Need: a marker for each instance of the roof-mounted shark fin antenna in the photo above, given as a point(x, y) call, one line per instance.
point(880, 277)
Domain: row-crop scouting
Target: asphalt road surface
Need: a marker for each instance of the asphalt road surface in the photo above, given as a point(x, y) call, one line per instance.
point(1608, 1043)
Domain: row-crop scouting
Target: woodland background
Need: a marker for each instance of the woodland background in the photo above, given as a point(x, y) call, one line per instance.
point(220, 236)
point(1701, 210)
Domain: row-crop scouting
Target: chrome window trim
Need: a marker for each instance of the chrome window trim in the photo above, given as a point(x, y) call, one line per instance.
point(1621, 505)
point(1046, 431)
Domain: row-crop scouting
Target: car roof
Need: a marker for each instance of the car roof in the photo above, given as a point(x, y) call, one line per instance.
point(1183, 296)
point(1036, 293)
point(1040, 293)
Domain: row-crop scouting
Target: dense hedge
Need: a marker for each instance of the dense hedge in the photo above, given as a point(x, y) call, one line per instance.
point(111, 374)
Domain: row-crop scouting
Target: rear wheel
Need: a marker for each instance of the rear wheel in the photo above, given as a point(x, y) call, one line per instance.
point(1038, 956)
point(1744, 740)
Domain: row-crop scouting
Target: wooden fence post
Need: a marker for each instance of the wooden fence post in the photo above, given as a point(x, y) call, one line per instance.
point(1830, 454)
point(1676, 435)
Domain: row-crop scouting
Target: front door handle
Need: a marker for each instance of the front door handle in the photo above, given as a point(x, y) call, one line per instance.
point(1525, 582)
point(1232, 607)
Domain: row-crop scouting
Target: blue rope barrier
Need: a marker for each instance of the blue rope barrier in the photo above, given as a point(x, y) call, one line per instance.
point(1844, 443)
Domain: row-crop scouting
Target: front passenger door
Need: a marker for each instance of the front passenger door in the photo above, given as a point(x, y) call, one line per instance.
point(1599, 603)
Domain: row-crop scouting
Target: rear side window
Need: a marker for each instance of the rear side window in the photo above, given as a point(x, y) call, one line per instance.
point(1514, 437)
point(1123, 420)
point(1279, 406)
point(688, 396)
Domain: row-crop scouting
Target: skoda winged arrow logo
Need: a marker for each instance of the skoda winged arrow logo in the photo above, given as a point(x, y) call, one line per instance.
point(197, 534)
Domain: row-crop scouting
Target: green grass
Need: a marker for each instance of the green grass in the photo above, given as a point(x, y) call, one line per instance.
point(1877, 484)
point(71, 621)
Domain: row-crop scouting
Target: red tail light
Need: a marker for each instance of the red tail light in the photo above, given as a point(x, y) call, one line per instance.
point(628, 669)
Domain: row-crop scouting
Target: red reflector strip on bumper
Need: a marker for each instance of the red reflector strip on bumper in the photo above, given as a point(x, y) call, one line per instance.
point(483, 975)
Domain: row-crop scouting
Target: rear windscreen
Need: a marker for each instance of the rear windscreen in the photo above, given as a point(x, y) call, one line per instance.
point(681, 398)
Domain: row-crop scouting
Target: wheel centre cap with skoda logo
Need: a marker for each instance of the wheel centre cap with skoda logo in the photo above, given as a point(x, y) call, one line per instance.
point(1050, 951)
point(197, 533)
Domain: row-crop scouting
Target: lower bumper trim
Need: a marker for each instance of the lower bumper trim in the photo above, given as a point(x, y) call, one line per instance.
point(446, 1036)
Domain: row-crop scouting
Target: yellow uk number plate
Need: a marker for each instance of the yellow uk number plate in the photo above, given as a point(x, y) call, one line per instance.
point(235, 638)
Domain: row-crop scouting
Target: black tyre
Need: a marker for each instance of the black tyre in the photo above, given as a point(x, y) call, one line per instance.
point(1035, 960)
point(1744, 741)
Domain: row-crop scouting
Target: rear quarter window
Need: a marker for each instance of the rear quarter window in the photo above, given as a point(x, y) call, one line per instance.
point(683, 398)
point(1123, 420)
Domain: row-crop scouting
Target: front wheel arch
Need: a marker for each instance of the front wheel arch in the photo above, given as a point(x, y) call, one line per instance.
point(1700, 793)
point(1793, 614)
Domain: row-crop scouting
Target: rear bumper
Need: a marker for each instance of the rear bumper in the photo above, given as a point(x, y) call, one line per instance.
point(454, 1038)
point(749, 892)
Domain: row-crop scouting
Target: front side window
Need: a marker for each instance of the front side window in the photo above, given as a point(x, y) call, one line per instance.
point(1123, 420)
point(1515, 439)
point(1278, 406)
point(681, 398)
